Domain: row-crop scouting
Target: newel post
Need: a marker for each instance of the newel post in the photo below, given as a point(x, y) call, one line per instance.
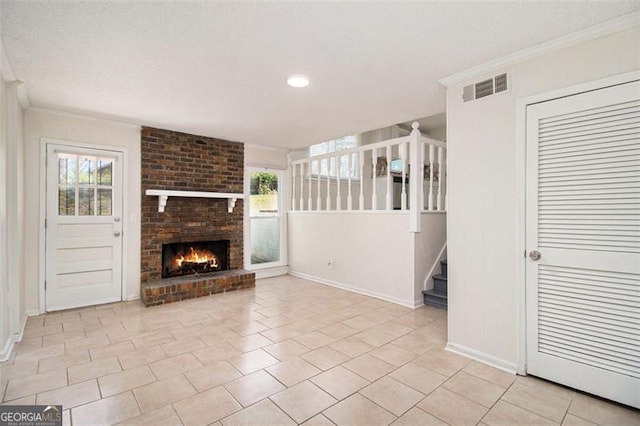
point(415, 178)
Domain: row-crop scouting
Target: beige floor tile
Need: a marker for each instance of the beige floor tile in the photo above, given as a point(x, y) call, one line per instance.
point(277, 321)
point(69, 359)
point(141, 357)
point(490, 374)
point(39, 353)
point(218, 352)
point(357, 410)
point(504, 413)
point(325, 357)
point(175, 365)
point(416, 416)
point(452, 408)
point(369, 367)
point(212, 375)
point(352, 347)
point(165, 416)
point(602, 412)
point(93, 369)
point(419, 378)
point(374, 337)
point(537, 401)
point(10, 371)
point(87, 342)
point(263, 413)
point(475, 388)
point(71, 396)
point(416, 344)
point(286, 349)
point(340, 382)
point(292, 371)
point(153, 339)
point(25, 400)
point(65, 336)
point(318, 420)
point(252, 361)
point(394, 328)
point(125, 380)
point(392, 395)
point(442, 362)
point(29, 385)
point(339, 331)
point(571, 420)
point(206, 407)
point(314, 340)
point(250, 343)
point(111, 350)
point(280, 334)
point(254, 387)
point(182, 346)
point(359, 323)
point(303, 401)
point(546, 386)
point(106, 411)
point(167, 391)
point(393, 354)
point(251, 327)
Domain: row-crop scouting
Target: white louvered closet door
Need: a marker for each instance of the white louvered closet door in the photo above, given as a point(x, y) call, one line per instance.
point(583, 217)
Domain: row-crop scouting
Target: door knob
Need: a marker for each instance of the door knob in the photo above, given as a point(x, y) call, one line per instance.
point(116, 234)
point(535, 255)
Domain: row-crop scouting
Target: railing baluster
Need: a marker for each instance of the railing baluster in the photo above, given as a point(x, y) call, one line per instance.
point(422, 156)
point(403, 157)
point(328, 200)
point(431, 155)
point(389, 181)
point(338, 172)
point(350, 165)
point(310, 200)
point(293, 186)
point(318, 199)
point(301, 186)
point(440, 168)
point(361, 200)
point(374, 178)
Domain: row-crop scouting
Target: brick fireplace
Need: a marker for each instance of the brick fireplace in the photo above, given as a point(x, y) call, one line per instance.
point(179, 161)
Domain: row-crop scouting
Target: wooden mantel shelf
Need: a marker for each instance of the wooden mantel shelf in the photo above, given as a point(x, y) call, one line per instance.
point(163, 195)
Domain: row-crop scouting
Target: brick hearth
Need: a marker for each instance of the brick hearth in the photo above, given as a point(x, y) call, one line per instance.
point(179, 161)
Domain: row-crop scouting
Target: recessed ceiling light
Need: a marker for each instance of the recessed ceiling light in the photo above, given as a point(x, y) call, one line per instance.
point(297, 80)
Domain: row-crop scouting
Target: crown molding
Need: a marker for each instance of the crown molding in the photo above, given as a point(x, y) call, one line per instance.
point(606, 28)
point(85, 116)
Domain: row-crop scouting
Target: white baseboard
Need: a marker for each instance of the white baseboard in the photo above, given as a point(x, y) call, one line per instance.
point(408, 304)
point(132, 297)
point(5, 354)
point(270, 272)
point(482, 357)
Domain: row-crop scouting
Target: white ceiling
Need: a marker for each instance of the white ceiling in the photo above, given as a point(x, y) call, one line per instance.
point(219, 68)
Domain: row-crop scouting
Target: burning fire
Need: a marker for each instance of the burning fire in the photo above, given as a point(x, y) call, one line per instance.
point(195, 257)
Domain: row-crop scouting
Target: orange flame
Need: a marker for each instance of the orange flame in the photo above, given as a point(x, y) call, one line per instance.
point(195, 257)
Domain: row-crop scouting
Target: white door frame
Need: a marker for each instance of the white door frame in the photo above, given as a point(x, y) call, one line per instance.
point(42, 193)
point(521, 149)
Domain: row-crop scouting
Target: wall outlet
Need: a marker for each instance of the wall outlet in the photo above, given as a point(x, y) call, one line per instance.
point(330, 263)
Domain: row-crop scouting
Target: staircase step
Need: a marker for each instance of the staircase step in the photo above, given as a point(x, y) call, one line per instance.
point(440, 284)
point(432, 298)
point(443, 267)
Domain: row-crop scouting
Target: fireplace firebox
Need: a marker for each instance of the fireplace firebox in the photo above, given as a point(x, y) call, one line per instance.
point(195, 257)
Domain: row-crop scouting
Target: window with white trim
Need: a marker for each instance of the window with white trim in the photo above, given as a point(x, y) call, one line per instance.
point(342, 166)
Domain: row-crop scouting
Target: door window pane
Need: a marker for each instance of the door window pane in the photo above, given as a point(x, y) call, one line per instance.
point(104, 202)
point(86, 201)
point(87, 172)
point(67, 169)
point(263, 195)
point(66, 201)
point(264, 212)
point(105, 170)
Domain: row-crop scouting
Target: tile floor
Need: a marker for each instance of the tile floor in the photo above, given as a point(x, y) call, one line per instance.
point(290, 351)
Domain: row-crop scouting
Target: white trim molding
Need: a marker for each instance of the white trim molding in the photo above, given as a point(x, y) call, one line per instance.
point(401, 302)
point(163, 196)
point(609, 27)
point(5, 354)
point(482, 357)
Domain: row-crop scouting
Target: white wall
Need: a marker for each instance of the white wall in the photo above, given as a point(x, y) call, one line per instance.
point(370, 253)
point(483, 224)
point(263, 156)
point(12, 306)
point(86, 130)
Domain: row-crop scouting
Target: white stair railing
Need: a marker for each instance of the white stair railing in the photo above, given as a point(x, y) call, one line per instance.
point(379, 174)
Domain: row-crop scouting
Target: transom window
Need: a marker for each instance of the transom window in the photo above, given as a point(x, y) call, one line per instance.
point(85, 185)
point(332, 168)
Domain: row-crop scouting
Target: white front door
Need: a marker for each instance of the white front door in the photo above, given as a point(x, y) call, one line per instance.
point(83, 227)
point(583, 220)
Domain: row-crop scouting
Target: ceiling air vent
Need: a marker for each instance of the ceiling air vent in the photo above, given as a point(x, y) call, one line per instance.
point(485, 88)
